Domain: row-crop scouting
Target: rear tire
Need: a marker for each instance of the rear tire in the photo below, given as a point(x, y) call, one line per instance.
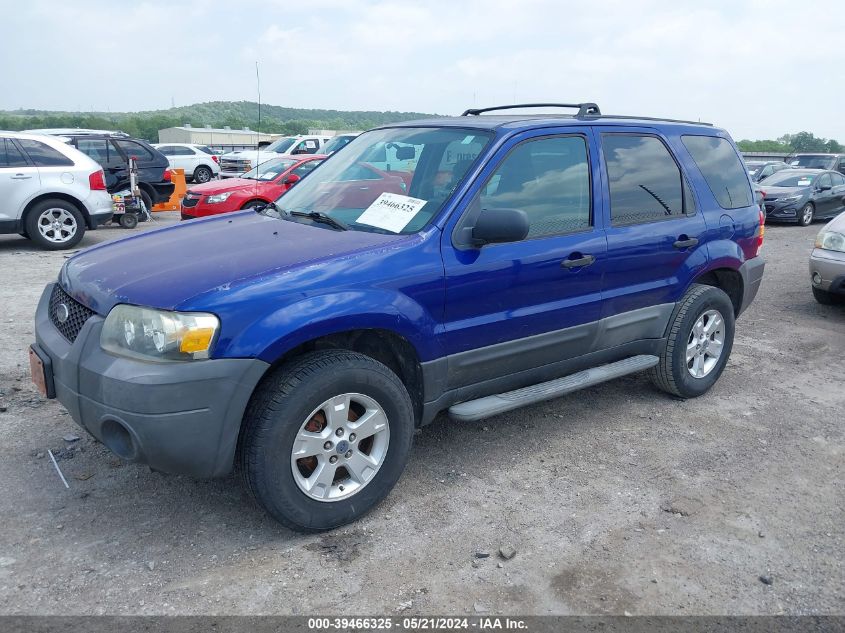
point(54, 224)
point(202, 174)
point(701, 334)
point(324, 389)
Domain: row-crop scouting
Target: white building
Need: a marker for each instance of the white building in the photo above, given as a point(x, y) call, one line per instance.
point(219, 138)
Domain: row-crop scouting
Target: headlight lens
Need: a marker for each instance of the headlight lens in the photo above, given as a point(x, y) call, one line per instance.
point(158, 335)
point(831, 241)
point(220, 197)
point(789, 199)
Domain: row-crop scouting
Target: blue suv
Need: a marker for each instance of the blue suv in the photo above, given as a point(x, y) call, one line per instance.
point(473, 264)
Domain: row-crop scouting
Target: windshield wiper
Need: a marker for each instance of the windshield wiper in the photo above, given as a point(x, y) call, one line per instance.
point(319, 216)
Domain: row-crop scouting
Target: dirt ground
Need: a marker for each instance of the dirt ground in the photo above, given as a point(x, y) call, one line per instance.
point(616, 499)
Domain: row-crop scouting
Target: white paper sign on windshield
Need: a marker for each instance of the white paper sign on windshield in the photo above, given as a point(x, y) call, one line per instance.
point(391, 212)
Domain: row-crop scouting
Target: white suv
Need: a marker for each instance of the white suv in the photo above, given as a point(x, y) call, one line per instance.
point(50, 192)
point(198, 161)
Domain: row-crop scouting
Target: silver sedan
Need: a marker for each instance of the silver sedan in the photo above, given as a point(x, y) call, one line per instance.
point(827, 263)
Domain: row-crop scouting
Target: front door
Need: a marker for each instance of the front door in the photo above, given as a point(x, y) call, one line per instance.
point(19, 181)
point(517, 306)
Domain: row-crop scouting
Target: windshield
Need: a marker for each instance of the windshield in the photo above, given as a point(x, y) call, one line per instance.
point(753, 168)
point(789, 178)
point(280, 146)
point(813, 161)
point(389, 181)
point(336, 143)
point(270, 169)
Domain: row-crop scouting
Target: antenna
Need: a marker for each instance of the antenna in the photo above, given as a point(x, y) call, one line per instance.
point(258, 130)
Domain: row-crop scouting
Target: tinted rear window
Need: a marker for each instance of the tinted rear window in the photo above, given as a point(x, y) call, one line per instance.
point(43, 155)
point(722, 169)
point(131, 148)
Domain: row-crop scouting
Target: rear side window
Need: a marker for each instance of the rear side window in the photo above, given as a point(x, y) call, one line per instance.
point(10, 155)
point(43, 155)
point(837, 180)
point(96, 148)
point(131, 148)
point(722, 169)
point(549, 179)
point(179, 150)
point(645, 182)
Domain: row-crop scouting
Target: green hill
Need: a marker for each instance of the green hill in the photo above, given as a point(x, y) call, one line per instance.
point(236, 114)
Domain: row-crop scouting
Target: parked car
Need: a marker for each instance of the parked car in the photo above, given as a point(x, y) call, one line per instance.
point(338, 142)
point(833, 162)
point(760, 169)
point(236, 164)
point(112, 151)
point(528, 257)
point(49, 191)
point(827, 263)
point(200, 163)
point(804, 195)
point(259, 186)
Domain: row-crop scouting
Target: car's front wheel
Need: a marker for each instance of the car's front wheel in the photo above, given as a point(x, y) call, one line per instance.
point(805, 216)
point(701, 334)
point(55, 224)
point(325, 439)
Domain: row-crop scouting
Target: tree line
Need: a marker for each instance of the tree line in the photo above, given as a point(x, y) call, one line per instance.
point(789, 143)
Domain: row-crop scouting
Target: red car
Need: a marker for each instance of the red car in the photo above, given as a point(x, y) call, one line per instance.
point(257, 187)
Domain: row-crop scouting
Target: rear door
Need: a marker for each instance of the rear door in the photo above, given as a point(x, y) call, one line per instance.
point(655, 235)
point(517, 306)
point(19, 182)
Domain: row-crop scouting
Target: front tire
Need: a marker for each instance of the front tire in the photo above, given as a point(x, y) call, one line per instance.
point(325, 439)
point(55, 224)
point(805, 216)
point(701, 334)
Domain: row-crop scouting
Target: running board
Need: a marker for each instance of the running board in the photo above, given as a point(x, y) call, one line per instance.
point(499, 403)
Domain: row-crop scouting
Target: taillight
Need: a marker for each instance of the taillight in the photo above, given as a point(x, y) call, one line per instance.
point(761, 232)
point(167, 175)
point(97, 181)
point(215, 158)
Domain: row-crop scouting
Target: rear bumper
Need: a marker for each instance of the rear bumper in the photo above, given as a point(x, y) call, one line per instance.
point(827, 270)
point(752, 276)
point(176, 417)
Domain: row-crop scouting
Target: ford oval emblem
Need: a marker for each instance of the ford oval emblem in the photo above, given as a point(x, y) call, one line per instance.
point(62, 313)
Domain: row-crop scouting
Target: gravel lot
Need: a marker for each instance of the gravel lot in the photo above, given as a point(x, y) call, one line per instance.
point(616, 499)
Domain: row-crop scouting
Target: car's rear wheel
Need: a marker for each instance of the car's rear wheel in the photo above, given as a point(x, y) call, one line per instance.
point(805, 216)
point(325, 439)
point(701, 333)
point(55, 224)
point(202, 174)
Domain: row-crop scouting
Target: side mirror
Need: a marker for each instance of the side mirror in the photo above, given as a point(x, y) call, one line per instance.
point(825, 188)
point(495, 226)
point(291, 180)
point(405, 152)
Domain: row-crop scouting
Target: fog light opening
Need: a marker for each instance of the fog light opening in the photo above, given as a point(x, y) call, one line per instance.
point(817, 278)
point(119, 440)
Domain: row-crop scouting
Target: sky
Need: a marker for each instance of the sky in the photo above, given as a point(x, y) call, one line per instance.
point(759, 68)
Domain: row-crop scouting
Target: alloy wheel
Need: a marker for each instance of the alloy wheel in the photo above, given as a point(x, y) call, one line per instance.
point(57, 225)
point(705, 343)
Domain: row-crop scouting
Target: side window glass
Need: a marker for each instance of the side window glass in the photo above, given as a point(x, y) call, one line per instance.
point(549, 179)
point(182, 151)
point(131, 148)
point(722, 170)
point(10, 155)
point(767, 171)
point(167, 150)
point(645, 182)
point(43, 155)
point(824, 181)
point(837, 179)
point(96, 148)
point(306, 168)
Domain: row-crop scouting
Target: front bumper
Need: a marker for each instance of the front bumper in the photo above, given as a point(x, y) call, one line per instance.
point(752, 276)
point(176, 417)
point(783, 211)
point(827, 270)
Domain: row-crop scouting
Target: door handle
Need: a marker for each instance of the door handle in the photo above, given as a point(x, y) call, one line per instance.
point(21, 177)
point(584, 260)
point(686, 242)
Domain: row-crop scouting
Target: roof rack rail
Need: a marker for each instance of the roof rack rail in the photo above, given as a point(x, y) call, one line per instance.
point(584, 109)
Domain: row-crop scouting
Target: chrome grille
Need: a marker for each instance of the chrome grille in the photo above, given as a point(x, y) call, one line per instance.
point(77, 314)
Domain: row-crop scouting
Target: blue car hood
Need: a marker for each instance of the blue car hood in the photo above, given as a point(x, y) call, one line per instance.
point(166, 268)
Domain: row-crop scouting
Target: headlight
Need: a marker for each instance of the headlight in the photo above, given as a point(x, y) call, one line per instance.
point(831, 241)
point(789, 199)
point(220, 197)
point(158, 335)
